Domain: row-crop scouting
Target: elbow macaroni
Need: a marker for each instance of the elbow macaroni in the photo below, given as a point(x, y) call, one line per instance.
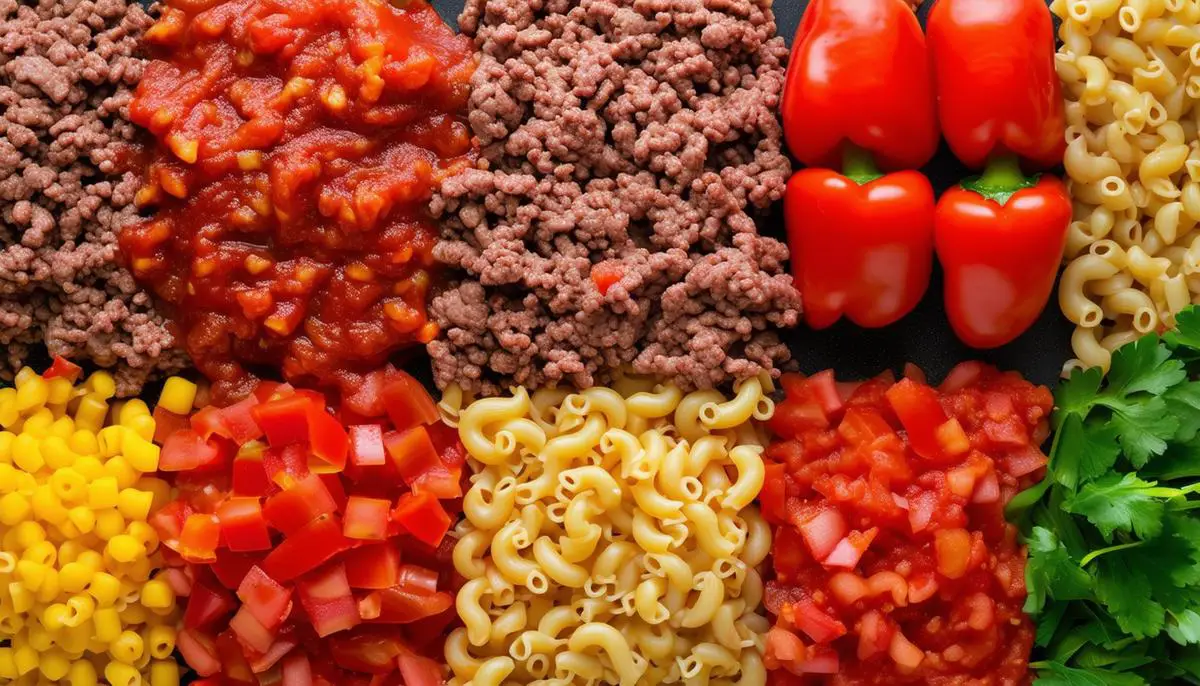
point(1131, 77)
point(618, 546)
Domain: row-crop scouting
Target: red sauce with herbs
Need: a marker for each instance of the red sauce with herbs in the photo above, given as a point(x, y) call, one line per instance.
point(299, 143)
point(893, 563)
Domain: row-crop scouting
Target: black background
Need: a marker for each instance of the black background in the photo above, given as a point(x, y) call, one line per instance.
point(924, 336)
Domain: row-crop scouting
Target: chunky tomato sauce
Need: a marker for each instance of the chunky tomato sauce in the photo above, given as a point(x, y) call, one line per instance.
point(298, 144)
point(893, 563)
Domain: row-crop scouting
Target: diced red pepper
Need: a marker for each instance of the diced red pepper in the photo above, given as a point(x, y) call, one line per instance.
point(200, 537)
point(412, 452)
point(307, 549)
point(231, 568)
point(774, 493)
point(296, 670)
point(404, 606)
point(186, 450)
point(286, 465)
point(921, 414)
point(373, 566)
point(267, 599)
point(199, 651)
point(249, 473)
point(368, 652)
point(366, 445)
point(282, 646)
point(207, 604)
point(422, 516)
point(417, 579)
point(328, 441)
point(167, 422)
point(293, 508)
point(408, 403)
point(235, 668)
point(168, 522)
point(284, 420)
point(337, 491)
point(366, 519)
point(440, 482)
point(419, 671)
point(243, 527)
point(62, 367)
point(325, 595)
point(206, 422)
point(238, 420)
point(250, 632)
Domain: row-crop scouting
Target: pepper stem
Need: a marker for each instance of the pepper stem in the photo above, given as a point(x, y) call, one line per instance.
point(1001, 180)
point(858, 165)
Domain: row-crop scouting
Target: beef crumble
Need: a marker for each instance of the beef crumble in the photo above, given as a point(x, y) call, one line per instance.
point(625, 146)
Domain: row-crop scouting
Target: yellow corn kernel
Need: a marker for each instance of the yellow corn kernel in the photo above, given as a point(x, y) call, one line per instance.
point(178, 395)
point(134, 505)
point(102, 493)
point(9, 541)
point(110, 439)
point(159, 488)
point(69, 485)
point(109, 523)
point(26, 659)
point(82, 608)
point(31, 574)
point(142, 425)
point(54, 617)
point(22, 598)
point(82, 673)
point(82, 518)
point(145, 535)
point(140, 453)
point(140, 570)
point(120, 468)
point(29, 534)
point(90, 414)
point(14, 508)
point(90, 467)
point(160, 641)
point(46, 505)
point(106, 624)
point(27, 453)
point(102, 384)
point(33, 393)
point(26, 483)
point(6, 445)
point(163, 673)
point(8, 666)
point(124, 548)
point(63, 428)
point(54, 664)
point(106, 589)
point(38, 424)
point(42, 553)
point(130, 409)
point(121, 674)
point(157, 595)
point(73, 577)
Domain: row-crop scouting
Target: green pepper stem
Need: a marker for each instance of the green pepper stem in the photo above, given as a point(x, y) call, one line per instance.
point(858, 165)
point(1001, 180)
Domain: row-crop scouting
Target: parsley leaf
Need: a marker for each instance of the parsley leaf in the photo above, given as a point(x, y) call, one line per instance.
point(1051, 572)
point(1084, 452)
point(1143, 428)
point(1125, 593)
point(1183, 402)
point(1078, 394)
point(1120, 503)
point(1143, 366)
point(1187, 330)
point(1184, 628)
point(1058, 674)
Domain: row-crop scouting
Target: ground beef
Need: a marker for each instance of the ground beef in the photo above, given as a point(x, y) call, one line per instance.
point(627, 140)
point(67, 69)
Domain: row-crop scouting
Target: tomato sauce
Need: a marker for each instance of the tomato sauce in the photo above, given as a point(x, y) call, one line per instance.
point(299, 141)
point(893, 563)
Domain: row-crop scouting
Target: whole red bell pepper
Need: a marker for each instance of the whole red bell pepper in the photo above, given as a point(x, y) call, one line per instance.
point(996, 85)
point(1000, 238)
point(860, 74)
point(861, 243)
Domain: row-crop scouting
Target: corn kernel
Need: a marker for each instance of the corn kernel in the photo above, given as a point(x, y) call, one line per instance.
point(27, 453)
point(161, 490)
point(8, 478)
point(26, 659)
point(22, 597)
point(54, 617)
point(73, 577)
point(106, 624)
point(120, 468)
point(42, 553)
point(134, 614)
point(160, 641)
point(109, 523)
point(157, 595)
point(9, 415)
point(90, 414)
point(124, 548)
point(102, 384)
point(177, 396)
point(47, 506)
point(33, 393)
point(82, 607)
point(54, 664)
point(140, 453)
point(8, 666)
point(145, 535)
point(38, 638)
point(84, 443)
point(130, 409)
point(59, 390)
point(103, 492)
point(57, 453)
point(89, 558)
point(77, 639)
point(29, 533)
point(50, 587)
point(105, 588)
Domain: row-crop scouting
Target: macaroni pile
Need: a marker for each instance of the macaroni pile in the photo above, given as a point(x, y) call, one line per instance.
point(610, 537)
point(1131, 76)
point(78, 603)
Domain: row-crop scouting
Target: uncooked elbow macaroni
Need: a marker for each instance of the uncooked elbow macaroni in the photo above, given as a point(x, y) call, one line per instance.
point(610, 537)
point(1131, 76)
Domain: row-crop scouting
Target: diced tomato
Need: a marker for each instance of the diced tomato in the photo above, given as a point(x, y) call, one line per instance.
point(328, 441)
point(366, 519)
point(440, 482)
point(419, 671)
point(282, 646)
point(179, 579)
point(366, 445)
point(239, 422)
point(265, 598)
point(231, 568)
point(293, 508)
point(919, 411)
point(953, 548)
point(987, 490)
point(1023, 461)
point(325, 595)
point(168, 522)
point(249, 474)
point(417, 579)
point(824, 389)
point(64, 368)
point(850, 549)
point(207, 604)
point(408, 403)
point(187, 450)
point(337, 491)
point(874, 636)
point(773, 495)
point(449, 447)
point(821, 528)
point(404, 606)
point(199, 651)
point(296, 670)
point(818, 660)
point(412, 453)
point(286, 465)
point(863, 426)
point(167, 422)
point(206, 422)
point(306, 549)
point(963, 375)
point(605, 275)
point(813, 621)
point(235, 668)
point(250, 632)
point(373, 566)
point(423, 517)
point(284, 420)
point(200, 537)
point(798, 414)
point(782, 647)
point(368, 652)
point(243, 527)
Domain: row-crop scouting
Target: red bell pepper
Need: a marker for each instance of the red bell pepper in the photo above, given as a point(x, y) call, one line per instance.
point(268, 600)
point(861, 244)
point(243, 527)
point(366, 445)
point(997, 89)
point(207, 604)
point(293, 508)
point(373, 566)
point(284, 420)
point(327, 600)
point(306, 549)
point(62, 367)
point(408, 403)
point(411, 452)
point(921, 413)
point(1000, 239)
point(366, 519)
point(422, 515)
point(200, 537)
point(860, 74)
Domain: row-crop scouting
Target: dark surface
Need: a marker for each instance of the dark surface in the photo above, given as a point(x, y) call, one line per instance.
point(924, 336)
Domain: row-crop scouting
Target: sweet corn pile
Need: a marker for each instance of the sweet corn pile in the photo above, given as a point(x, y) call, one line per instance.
point(79, 603)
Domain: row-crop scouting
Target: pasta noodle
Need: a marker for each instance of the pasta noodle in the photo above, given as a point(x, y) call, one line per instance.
point(1130, 77)
point(611, 537)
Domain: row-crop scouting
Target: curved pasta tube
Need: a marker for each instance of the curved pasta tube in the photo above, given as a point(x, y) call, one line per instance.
point(645, 601)
point(521, 435)
point(708, 601)
point(656, 642)
point(529, 643)
point(508, 561)
point(1071, 294)
point(543, 405)
point(469, 606)
point(751, 476)
point(594, 479)
point(608, 403)
point(672, 568)
point(657, 404)
point(468, 553)
point(582, 535)
point(508, 623)
point(458, 655)
point(758, 538)
point(648, 535)
point(625, 446)
point(748, 401)
point(487, 411)
point(673, 478)
point(558, 620)
point(556, 567)
point(708, 531)
point(490, 501)
point(654, 503)
point(687, 413)
point(493, 671)
point(704, 451)
point(628, 666)
point(615, 556)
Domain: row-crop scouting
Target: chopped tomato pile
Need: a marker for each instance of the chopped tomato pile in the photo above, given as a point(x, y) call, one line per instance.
point(298, 146)
point(296, 556)
point(893, 562)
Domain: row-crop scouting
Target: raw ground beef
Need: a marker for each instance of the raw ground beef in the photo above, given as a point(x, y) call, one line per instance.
point(67, 70)
point(626, 140)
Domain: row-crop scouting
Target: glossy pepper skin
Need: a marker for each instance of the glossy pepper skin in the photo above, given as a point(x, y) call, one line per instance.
point(1000, 239)
point(997, 90)
point(861, 244)
point(860, 73)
